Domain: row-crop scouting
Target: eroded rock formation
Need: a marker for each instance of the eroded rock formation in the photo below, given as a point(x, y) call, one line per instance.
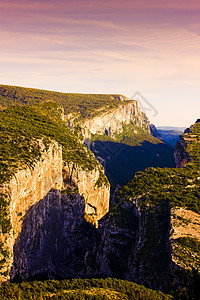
point(111, 122)
point(91, 186)
point(180, 154)
point(25, 189)
point(37, 219)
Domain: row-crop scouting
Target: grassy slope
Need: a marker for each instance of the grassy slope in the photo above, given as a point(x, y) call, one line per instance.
point(79, 289)
point(21, 129)
point(82, 105)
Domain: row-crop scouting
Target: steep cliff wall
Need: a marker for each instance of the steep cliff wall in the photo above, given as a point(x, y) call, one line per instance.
point(92, 185)
point(111, 121)
point(41, 155)
point(54, 240)
point(181, 156)
point(38, 221)
point(27, 187)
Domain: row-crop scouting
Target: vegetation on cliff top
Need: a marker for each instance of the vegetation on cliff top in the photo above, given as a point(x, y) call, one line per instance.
point(155, 191)
point(80, 289)
point(179, 186)
point(80, 105)
point(21, 131)
point(186, 252)
point(22, 128)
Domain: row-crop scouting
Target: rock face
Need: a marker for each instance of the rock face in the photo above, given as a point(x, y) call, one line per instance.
point(185, 224)
point(37, 220)
point(30, 185)
point(56, 241)
point(149, 262)
point(89, 185)
point(111, 122)
point(180, 154)
point(155, 132)
point(25, 189)
point(36, 246)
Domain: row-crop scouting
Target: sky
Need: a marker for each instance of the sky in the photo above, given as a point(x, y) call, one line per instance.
point(146, 48)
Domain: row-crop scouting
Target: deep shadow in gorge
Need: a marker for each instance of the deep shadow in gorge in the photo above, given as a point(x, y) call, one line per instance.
point(56, 242)
point(54, 239)
point(123, 161)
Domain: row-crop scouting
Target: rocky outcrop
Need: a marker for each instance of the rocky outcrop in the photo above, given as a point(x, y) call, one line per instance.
point(180, 154)
point(56, 241)
point(150, 258)
point(36, 220)
point(111, 122)
point(155, 132)
point(92, 185)
point(118, 232)
point(185, 226)
point(27, 187)
point(36, 246)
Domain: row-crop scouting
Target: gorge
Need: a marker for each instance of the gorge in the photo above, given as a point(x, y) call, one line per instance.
point(57, 217)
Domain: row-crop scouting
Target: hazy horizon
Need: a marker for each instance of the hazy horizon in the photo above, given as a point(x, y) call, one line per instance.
point(115, 47)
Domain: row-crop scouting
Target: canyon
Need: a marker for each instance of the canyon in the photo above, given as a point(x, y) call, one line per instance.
point(59, 220)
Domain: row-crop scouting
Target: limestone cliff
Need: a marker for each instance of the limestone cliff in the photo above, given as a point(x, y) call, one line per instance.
point(42, 154)
point(54, 240)
point(92, 185)
point(185, 226)
point(26, 188)
point(180, 154)
point(31, 208)
point(111, 122)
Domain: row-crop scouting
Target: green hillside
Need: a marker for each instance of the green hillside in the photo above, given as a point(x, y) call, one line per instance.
point(77, 289)
point(82, 105)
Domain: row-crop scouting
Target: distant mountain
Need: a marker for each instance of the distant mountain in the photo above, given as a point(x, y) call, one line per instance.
point(169, 134)
point(171, 128)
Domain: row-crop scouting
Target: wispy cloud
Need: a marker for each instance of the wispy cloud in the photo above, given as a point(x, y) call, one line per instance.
point(103, 46)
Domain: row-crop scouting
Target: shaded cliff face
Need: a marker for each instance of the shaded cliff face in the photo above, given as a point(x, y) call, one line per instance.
point(25, 189)
point(30, 167)
point(180, 154)
point(47, 226)
point(93, 186)
point(188, 146)
point(149, 262)
point(54, 240)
